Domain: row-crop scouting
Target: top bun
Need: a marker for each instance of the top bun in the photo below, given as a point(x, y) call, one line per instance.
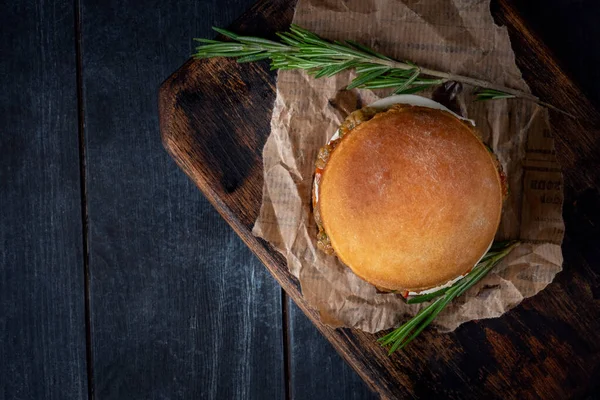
point(410, 199)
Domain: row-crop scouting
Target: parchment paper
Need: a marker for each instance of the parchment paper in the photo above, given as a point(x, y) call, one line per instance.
point(456, 36)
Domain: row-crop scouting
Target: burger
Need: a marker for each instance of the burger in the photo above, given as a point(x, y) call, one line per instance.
point(407, 195)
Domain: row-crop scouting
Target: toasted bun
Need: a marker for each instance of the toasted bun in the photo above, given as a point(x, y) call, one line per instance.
point(410, 199)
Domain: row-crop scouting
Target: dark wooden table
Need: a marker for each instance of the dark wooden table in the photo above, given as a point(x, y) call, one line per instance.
point(117, 279)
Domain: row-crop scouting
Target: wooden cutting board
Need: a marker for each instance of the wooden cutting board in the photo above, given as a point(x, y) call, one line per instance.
point(214, 120)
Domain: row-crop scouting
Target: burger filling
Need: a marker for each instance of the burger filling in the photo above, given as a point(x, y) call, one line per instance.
point(352, 121)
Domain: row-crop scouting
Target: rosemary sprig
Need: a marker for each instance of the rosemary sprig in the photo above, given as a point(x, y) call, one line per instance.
point(300, 48)
point(491, 94)
point(403, 335)
point(494, 251)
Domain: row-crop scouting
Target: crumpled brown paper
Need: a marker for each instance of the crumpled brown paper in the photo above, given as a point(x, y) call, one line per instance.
point(456, 36)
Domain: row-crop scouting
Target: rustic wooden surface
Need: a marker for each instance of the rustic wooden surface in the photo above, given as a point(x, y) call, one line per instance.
point(214, 117)
point(172, 302)
point(42, 321)
point(180, 307)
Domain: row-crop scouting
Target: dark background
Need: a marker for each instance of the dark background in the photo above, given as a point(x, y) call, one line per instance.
point(117, 278)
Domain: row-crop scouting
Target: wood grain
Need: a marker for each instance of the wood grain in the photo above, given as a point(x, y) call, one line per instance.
point(576, 140)
point(181, 309)
point(317, 372)
point(42, 321)
point(566, 26)
point(214, 118)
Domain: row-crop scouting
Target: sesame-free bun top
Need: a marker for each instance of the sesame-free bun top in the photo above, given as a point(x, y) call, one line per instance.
point(410, 199)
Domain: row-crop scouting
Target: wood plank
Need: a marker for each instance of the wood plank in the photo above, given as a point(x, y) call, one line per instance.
point(42, 321)
point(576, 140)
point(566, 27)
point(180, 307)
point(317, 372)
point(547, 347)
